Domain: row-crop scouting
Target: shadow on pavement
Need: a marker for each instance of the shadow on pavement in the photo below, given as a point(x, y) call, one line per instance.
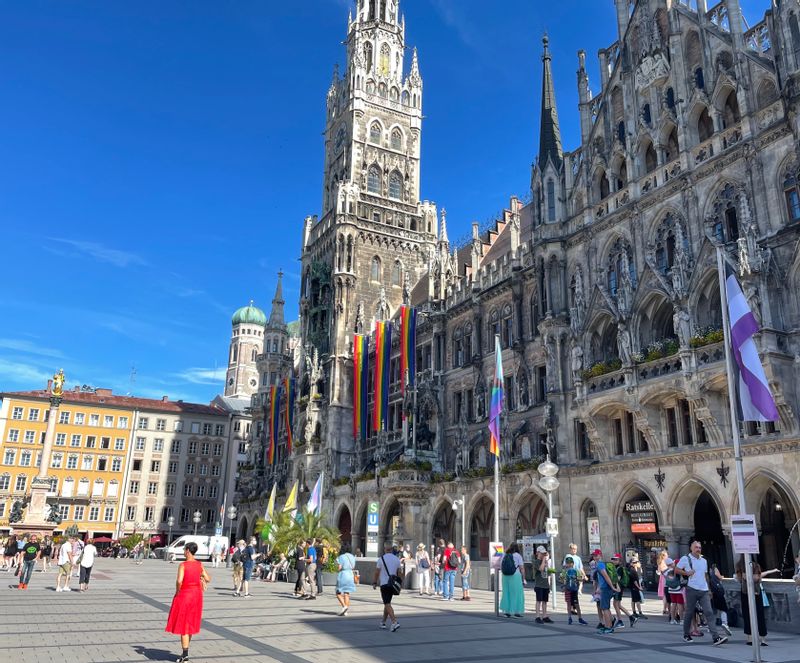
point(155, 654)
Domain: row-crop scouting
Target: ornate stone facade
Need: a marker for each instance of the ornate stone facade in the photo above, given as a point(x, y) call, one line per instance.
point(603, 290)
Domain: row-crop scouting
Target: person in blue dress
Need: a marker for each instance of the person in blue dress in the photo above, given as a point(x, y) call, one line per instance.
point(345, 580)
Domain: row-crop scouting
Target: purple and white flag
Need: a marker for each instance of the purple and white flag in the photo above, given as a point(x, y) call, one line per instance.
point(755, 398)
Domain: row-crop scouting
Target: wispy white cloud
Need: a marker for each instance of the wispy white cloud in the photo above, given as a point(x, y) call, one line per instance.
point(29, 347)
point(202, 375)
point(451, 17)
point(22, 375)
point(99, 252)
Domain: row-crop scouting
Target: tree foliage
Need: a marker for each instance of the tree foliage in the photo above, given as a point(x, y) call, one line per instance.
point(283, 533)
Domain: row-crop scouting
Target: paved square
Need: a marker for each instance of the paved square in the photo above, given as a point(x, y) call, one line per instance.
point(122, 619)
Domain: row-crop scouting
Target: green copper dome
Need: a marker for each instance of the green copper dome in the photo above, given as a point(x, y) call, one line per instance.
point(249, 315)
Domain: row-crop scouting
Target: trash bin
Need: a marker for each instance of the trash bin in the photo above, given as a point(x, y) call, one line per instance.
point(411, 580)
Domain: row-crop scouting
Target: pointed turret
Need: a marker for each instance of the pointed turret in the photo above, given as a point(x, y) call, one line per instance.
point(549, 132)
point(276, 319)
point(443, 231)
point(414, 77)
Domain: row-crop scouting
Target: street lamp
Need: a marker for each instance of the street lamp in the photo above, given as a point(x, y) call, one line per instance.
point(170, 523)
point(462, 504)
point(150, 525)
point(231, 517)
point(548, 483)
point(196, 518)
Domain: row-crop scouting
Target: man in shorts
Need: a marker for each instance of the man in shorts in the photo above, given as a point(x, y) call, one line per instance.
point(388, 565)
point(66, 559)
point(616, 560)
point(605, 588)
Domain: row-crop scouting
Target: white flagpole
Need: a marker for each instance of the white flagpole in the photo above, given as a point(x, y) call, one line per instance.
point(497, 497)
point(737, 453)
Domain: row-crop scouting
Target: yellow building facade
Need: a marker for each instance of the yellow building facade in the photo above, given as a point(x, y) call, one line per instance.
point(89, 459)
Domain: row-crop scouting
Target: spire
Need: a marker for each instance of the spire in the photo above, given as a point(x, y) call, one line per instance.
point(276, 314)
point(413, 76)
point(443, 232)
point(549, 132)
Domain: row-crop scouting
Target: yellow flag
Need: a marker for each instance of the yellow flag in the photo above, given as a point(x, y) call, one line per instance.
point(271, 503)
point(291, 501)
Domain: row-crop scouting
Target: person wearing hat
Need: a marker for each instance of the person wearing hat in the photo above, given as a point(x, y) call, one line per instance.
point(423, 569)
point(676, 593)
point(637, 592)
point(541, 585)
point(623, 580)
point(606, 587)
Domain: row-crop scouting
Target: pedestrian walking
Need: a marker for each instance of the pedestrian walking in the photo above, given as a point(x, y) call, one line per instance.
point(661, 568)
point(237, 559)
point(760, 596)
point(695, 567)
point(423, 568)
point(311, 569)
point(345, 579)
point(249, 556)
point(512, 567)
point(637, 591)
point(10, 553)
point(466, 572)
point(47, 552)
point(718, 601)
point(605, 588)
point(186, 611)
point(65, 561)
point(300, 567)
point(452, 560)
point(674, 589)
point(28, 556)
point(438, 567)
point(388, 572)
point(577, 563)
point(86, 564)
point(619, 575)
point(321, 560)
point(572, 582)
point(216, 553)
point(541, 584)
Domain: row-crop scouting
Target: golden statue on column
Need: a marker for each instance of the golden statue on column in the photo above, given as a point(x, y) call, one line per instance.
point(57, 388)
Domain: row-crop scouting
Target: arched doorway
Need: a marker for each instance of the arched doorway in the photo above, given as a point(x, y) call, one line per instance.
point(243, 529)
point(444, 523)
point(776, 518)
point(530, 517)
point(345, 526)
point(359, 537)
point(391, 526)
point(591, 528)
point(708, 530)
point(482, 524)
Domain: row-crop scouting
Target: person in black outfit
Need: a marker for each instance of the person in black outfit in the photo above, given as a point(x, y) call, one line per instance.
point(300, 567)
point(320, 563)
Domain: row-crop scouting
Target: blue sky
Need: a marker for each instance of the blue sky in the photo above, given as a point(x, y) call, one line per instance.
point(158, 159)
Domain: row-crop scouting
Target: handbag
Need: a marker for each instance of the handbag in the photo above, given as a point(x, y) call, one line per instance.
point(394, 582)
point(764, 599)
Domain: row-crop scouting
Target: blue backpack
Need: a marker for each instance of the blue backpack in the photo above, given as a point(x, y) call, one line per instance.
point(508, 567)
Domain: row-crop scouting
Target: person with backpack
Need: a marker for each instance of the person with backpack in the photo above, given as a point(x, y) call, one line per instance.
point(572, 581)
point(541, 584)
point(606, 586)
point(620, 576)
point(674, 587)
point(512, 568)
point(238, 567)
point(694, 567)
point(452, 560)
point(389, 575)
point(438, 566)
point(423, 567)
point(718, 601)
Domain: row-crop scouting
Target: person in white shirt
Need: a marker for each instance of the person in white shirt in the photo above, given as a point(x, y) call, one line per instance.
point(65, 561)
point(388, 565)
point(695, 567)
point(577, 565)
point(423, 568)
point(87, 562)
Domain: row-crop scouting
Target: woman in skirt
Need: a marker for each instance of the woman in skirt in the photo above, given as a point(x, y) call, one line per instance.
point(186, 611)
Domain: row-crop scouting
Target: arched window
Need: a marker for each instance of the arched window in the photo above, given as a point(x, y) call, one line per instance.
point(396, 273)
point(665, 243)
point(646, 116)
point(620, 254)
point(235, 355)
point(375, 269)
point(395, 185)
point(621, 132)
point(368, 56)
point(397, 139)
point(405, 98)
point(384, 64)
point(375, 132)
point(551, 200)
point(705, 127)
point(792, 195)
point(253, 355)
point(372, 9)
point(394, 94)
point(374, 180)
point(669, 98)
point(730, 114)
point(725, 216)
point(650, 159)
point(274, 345)
point(699, 79)
point(672, 145)
point(794, 29)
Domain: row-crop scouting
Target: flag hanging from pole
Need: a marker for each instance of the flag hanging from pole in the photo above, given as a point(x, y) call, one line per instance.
point(315, 501)
point(755, 400)
point(289, 390)
point(271, 504)
point(360, 386)
point(274, 420)
point(496, 406)
point(408, 346)
point(383, 349)
point(291, 501)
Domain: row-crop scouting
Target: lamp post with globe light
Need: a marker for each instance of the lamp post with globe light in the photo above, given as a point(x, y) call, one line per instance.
point(548, 483)
point(231, 517)
point(170, 523)
point(196, 518)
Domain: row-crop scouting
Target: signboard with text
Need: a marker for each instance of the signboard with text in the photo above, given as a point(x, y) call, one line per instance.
point(373, 527)
point(643, 516)
point(744, 534)
point(496, 552)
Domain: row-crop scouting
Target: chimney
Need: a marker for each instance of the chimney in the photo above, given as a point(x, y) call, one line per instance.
point(103, 392)
point(164, 399)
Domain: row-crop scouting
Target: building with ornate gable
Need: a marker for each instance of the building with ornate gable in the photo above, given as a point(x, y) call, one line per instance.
point(603, 291)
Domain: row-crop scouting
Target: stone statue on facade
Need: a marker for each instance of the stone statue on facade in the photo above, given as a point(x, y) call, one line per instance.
point(625, 286)
point(551, 362)
point(624, 345)
point(580, 293)
point(524, 396)
point(682, 263)
point(359, 326)
point(682, 323)
point(406, 288)
point(576, 355)
point(480, 398)
point(382, 311)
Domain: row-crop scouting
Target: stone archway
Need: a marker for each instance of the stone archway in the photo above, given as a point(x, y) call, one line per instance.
point(638, 523)
point(531, 515)
point(444, 523)
point(359, 533)
point(243, 529)
point(389, 523)
point(481, 528)
point(708, 531)
point(344, 524)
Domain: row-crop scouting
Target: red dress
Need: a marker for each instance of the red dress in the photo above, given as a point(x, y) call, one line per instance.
point(187, 605)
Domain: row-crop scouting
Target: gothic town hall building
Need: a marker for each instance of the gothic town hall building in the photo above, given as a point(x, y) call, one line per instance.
point(603, 290)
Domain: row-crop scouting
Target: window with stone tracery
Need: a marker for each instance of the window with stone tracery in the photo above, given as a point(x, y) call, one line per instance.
point(368, 56)
point(792, 195)
point(375, 132)
point(374, 180)
point(397, 273)
point(397, 139)
point(724, 219)
point(384, 64)
point(375, 269)
point(620, 252)
point(665, 243)
point(395, 185)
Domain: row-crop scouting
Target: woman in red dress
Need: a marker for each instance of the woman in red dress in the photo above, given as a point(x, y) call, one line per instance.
point(187, 604)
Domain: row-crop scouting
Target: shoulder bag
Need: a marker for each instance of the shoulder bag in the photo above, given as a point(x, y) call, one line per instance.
point(394, 581)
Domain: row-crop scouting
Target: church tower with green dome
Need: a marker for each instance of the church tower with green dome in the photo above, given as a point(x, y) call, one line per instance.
point(247, 342)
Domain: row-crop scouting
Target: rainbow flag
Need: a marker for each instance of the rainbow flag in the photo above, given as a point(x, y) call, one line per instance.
point(360, 386)
point(496, 406)
point(408, 346)
point(274, 420)
point(289, 389)
point(383, 348)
